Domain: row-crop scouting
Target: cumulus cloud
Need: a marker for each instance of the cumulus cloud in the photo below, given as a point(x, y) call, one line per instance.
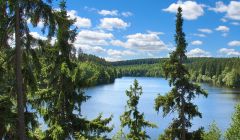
point(197, 52)
point(112, 52)
point(147, 42)
point(222, 28)
point(92, 41)
point(229, 52)
point(205, 30)
point(91, 49)
point(108, 12)
point(191, 9)
point(80, 21)
point(197, 42)
point(232, 10)
point(234, 43)
point(112, 59)
point(116, 55)
point(111, 23)
point(219, 7)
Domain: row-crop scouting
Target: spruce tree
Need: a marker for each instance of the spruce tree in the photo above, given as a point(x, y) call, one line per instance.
point(14, 16)
point(60, 93)
point(132, 118)
point(180, 99)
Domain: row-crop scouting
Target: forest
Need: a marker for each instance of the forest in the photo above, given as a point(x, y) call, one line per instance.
point(44, 82)
point(217, 71)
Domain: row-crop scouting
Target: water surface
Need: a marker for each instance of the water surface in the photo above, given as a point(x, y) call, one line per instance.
point(111, 99)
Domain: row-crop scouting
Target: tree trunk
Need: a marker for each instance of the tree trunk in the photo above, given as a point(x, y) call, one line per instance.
point(19, 79)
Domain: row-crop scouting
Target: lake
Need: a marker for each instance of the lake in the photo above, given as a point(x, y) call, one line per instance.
point(111, 99)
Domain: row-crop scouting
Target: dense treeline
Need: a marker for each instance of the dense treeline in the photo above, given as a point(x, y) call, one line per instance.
point(91, 58)
point(95, 74)
point(218, 71)
point(139, 61)
point(42, 83)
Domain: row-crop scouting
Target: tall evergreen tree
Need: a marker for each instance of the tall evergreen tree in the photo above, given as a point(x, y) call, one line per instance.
point(60, 96)
point(132, 118)
point(14, 15)
point(180, 98)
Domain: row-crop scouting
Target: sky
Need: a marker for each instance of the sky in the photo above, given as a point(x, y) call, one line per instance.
point(133, 29)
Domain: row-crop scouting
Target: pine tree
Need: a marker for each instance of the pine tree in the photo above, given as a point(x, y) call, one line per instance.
point(14, 16)
point(180, 98)
point(132, 118)
point(60, 95)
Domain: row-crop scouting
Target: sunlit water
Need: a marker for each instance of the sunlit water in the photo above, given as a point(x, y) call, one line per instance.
point(111, 99)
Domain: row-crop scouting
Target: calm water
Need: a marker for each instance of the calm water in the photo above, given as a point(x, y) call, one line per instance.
point(110, 100)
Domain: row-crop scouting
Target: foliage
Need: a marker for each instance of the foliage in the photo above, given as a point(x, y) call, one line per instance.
point(180, 98)
point(214, 133)
point(119, 135)
point(217, 71)
point(132, 118)
point(233, 132)
point(60, 93)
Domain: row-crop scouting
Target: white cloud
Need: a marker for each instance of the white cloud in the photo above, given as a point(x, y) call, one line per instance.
point(222, 28)
point(140, 41)
point(197, 42)
point(200, 35)
point(235, 23)
point(232, 10)
point(98, 49)
point(92, 41)
point(80, 21)
point(127, 14)
point(234, 43)
point(94, 35)
point(93, 38)
point(197, 52)
point(117, 43)
point(220, 7)
point(112, 52)
point(116, 55)
point(108, 12)
point(112, 59)
point(111, 23)
point(91, 49)
point(37, 36)
point(205, 30)
point(191, 9)
point(39, 25)
point(229, 52)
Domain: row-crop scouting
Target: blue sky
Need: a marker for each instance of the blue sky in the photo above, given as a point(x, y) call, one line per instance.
point(131, 29)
